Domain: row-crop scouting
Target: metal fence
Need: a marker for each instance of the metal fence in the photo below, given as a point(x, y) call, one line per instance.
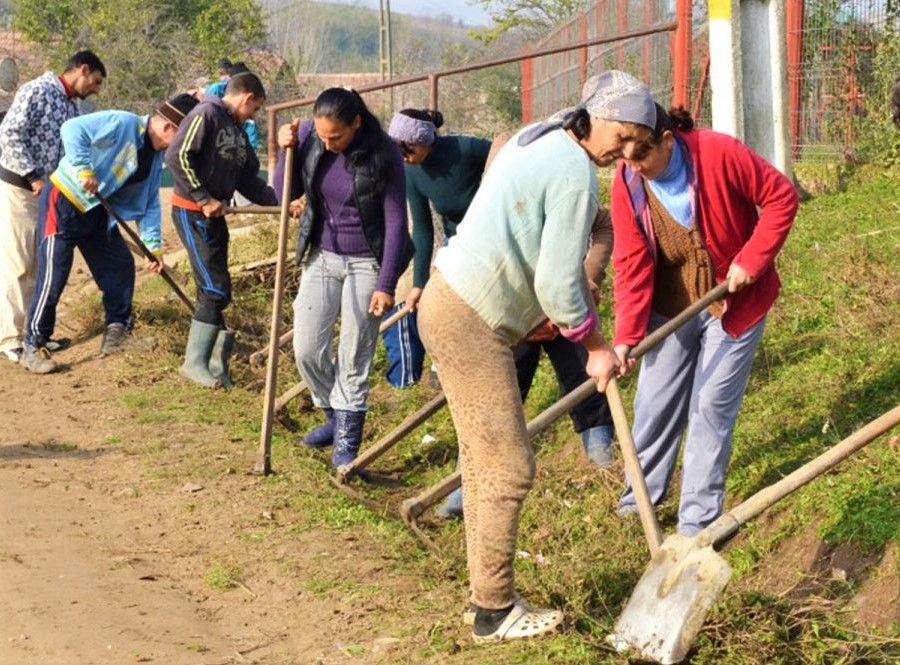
point(552, 82)
point(833, 49)
point(833, 46)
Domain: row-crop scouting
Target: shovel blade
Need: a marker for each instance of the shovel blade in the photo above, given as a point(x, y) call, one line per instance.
point(669, 605)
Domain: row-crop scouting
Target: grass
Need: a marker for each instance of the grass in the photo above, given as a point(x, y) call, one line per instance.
point(827, 365)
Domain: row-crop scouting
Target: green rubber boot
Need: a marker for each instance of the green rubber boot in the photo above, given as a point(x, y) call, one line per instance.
point(199, 348)
point(221, 352)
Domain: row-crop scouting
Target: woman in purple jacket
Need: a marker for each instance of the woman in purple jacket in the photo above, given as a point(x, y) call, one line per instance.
point(355, 243)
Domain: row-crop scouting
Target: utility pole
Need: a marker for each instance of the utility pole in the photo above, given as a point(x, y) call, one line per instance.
point(385, 46)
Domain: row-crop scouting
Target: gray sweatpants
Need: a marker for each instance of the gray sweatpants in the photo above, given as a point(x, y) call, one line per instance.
point(696, 379)
point(333, 284)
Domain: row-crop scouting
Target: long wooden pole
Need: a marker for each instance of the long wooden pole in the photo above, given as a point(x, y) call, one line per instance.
point(264, 460)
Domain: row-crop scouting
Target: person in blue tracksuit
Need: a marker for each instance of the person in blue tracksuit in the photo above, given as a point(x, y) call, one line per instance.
point(118, 155)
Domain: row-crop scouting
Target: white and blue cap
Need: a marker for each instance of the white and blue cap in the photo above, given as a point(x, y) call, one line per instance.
point(610, 95)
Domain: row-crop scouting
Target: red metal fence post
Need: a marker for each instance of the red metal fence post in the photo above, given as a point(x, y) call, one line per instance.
point(681, 66)
point(794, 13)
point(527, 69)
point(583, 53)
point(621, 26)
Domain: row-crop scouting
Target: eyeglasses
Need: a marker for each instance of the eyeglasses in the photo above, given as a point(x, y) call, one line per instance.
point(406, 149)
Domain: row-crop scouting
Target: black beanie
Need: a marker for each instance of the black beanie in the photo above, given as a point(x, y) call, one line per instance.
point(176, 108)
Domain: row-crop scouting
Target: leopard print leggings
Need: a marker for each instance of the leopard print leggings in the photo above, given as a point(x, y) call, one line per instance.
point(478, 376)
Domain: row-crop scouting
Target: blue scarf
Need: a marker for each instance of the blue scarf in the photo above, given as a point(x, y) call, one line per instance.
point(673, 189)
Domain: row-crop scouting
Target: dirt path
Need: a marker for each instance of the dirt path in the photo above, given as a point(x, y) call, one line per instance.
point(105, 561)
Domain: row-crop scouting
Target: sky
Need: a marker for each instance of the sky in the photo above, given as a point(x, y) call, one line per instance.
point(458, 9)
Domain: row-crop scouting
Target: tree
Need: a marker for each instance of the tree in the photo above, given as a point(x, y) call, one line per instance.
point(532, 17)
point(147, 45)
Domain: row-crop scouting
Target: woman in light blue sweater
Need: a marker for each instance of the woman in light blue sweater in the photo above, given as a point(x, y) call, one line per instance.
point(516, 259)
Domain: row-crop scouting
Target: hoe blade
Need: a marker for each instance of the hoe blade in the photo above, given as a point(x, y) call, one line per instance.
point(671, 601)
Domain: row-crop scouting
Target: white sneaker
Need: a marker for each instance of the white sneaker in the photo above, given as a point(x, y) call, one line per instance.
point(12, 355)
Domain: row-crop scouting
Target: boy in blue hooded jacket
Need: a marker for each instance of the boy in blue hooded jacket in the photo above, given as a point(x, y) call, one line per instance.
point(118, 155)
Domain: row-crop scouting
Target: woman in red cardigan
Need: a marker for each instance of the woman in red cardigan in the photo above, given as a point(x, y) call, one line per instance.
point(692, 208)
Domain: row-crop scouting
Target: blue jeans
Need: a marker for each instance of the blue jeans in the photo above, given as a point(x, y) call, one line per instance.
point(335, 285)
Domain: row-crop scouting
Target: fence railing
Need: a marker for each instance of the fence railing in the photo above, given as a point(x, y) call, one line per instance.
point(434, 78)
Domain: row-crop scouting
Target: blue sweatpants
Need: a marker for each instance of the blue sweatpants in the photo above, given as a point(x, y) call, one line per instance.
point(694, 379)
point(206, 242)
point(405, 352)
point(62, 228)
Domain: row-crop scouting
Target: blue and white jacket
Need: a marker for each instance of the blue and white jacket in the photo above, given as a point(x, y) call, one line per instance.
point(29, 134)
point(105, 145)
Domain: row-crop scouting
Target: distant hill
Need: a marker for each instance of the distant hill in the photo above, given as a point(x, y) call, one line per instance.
point(331, 37)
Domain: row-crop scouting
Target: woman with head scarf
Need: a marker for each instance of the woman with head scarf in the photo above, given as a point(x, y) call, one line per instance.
point(516, 259)
point(692, 208)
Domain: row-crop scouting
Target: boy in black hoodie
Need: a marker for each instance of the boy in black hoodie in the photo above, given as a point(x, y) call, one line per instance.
point(210, 159)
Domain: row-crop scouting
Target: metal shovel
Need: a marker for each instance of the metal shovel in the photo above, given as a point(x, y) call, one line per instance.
point(686, 577)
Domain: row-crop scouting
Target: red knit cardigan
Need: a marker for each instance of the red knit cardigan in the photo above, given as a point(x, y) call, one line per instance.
point(729, 183)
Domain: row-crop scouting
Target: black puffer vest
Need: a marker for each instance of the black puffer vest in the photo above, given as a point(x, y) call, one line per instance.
point(368, 196)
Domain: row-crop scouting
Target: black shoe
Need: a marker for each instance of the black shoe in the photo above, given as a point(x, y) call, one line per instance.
point(117, 338)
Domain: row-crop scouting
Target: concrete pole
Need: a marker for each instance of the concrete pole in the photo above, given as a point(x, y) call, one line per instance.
point(725, 71)
point(749, 90)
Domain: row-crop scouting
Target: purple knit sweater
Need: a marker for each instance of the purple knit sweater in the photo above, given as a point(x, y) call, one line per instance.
point(340, 229)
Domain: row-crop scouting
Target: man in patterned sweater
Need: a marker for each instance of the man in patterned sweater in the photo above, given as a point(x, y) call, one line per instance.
point(30, 150)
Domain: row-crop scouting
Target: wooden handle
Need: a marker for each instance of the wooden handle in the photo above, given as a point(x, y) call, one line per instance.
point(150, 256)
point(264, 458)
point(388, 441)
point(728, 523)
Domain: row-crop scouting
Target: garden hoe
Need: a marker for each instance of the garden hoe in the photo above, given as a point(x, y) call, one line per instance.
point(411, 509)
point(685, 578)
point(150, 256)
point(263, 464)
point(346, 471)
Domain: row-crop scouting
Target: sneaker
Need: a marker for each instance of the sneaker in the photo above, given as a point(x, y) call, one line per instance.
point(54, 345)
point(12, 355)
point(452, 508)
point(117, 338)
point(38, 360)
point(597, 442)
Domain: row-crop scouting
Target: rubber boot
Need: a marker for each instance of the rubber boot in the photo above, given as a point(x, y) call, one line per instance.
point(199, 348)
point(597, 443)
point(221, 352)
point(322, 436)
point(348, 430)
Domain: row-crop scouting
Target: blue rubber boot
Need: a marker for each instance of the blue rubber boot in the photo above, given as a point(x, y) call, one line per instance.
point(348, 431)
point(597, 443)
point(322, 436)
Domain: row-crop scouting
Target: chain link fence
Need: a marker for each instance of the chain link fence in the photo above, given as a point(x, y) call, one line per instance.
point(845, 56)
point(553, 82)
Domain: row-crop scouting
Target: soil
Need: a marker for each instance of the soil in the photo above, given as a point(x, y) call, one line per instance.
point(101, 564)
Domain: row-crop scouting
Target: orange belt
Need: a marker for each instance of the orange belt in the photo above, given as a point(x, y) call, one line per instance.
point(187, 204)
